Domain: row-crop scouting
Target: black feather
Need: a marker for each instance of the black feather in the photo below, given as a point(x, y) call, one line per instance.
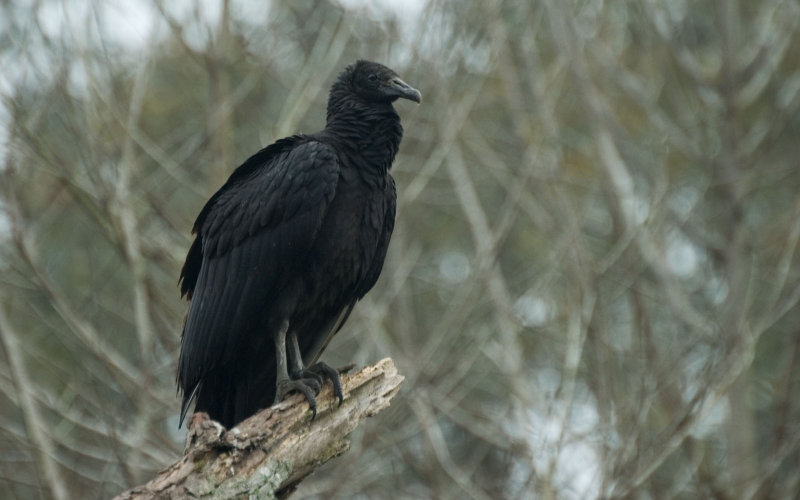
point(298, 232)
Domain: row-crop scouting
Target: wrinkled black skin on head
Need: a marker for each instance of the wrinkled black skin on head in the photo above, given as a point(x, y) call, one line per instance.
point(298, 233)
point(375, 82)
point(370, 83)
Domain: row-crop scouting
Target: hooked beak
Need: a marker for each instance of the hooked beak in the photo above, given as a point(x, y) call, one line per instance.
point(400, 89)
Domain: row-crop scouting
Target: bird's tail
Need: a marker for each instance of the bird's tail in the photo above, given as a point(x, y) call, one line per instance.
point(188, 398)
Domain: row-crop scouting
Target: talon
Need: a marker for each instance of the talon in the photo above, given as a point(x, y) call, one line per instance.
point(284, 387)
point(332, 374)
point(312, 404)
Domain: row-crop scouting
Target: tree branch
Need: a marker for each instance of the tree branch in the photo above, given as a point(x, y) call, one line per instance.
point(268, 454)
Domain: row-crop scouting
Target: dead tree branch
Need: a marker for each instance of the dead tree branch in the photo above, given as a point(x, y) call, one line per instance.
point(268, 454)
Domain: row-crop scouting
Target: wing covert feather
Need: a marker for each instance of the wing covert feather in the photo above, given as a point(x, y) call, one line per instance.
point(260, 222)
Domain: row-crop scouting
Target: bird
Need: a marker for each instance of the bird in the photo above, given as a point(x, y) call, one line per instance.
point(284, 250)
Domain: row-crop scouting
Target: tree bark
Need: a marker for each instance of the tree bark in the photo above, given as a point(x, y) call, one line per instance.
point(268, 454)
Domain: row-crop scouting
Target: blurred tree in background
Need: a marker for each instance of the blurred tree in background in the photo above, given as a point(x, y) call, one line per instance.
point(594, 280)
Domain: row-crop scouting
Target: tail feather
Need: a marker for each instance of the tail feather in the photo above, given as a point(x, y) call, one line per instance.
point(187, 401)
point(234, 396)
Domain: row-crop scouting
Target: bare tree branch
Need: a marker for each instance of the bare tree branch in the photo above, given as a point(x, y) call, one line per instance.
point(269, 453)
point(34, 424)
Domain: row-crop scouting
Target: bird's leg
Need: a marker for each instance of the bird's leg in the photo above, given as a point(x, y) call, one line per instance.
point(280, 350)
point(297, 370)
point(314, 372)
point(283, 384)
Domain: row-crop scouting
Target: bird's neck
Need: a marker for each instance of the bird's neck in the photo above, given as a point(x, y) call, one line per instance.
point(371, 132)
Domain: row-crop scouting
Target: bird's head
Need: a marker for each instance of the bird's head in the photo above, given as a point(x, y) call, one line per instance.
point(376, 83)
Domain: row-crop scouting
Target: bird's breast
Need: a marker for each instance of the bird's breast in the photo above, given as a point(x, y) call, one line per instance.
point(349, 235)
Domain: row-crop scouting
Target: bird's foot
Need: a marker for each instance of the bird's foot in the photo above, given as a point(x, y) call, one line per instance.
point(308, 382)
point(321, 369)
point(310, 377)
point(308, 387)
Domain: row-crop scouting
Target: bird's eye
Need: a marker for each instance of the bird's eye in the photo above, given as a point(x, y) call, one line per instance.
point(372, 77)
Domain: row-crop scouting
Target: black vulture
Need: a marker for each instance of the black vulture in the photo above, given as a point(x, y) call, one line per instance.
point(285, 248)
